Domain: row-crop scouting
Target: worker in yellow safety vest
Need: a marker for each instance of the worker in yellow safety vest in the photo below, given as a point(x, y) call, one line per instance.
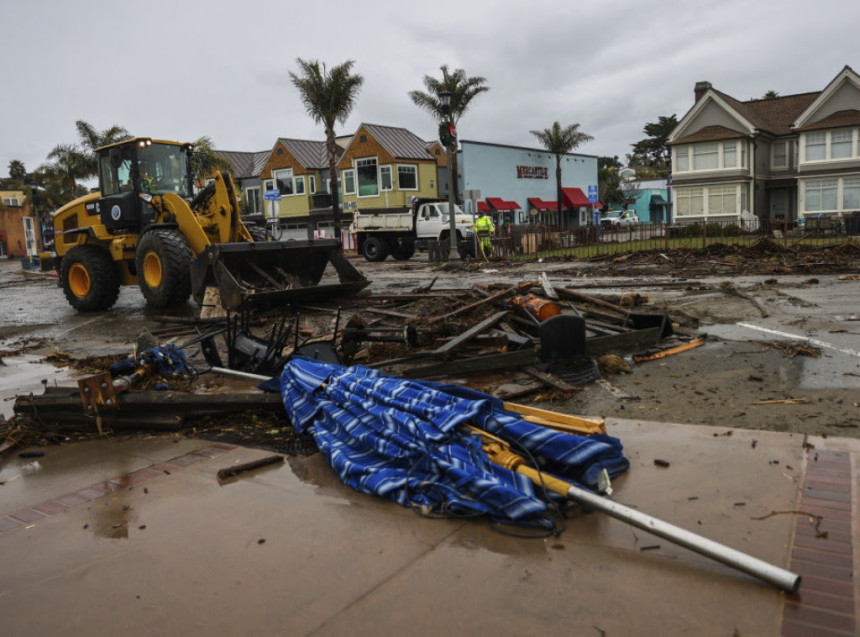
point(484, 228)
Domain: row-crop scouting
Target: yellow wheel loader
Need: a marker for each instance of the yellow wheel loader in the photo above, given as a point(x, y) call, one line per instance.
point(145, 227)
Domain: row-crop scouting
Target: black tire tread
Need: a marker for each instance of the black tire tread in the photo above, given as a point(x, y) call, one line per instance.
point(176, 267)
point(104, 281)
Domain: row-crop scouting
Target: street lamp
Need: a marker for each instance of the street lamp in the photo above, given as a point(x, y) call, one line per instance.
point(447, 138)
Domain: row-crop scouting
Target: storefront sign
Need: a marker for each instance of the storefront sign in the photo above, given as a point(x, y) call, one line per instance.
point(532, 172)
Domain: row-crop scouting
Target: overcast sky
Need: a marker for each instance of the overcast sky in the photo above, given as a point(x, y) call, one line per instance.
point(180, 69)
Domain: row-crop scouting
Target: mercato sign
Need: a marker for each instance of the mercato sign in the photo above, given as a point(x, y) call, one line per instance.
point(532, 172)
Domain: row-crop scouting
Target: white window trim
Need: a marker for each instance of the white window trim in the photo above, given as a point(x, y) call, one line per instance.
point(705, 194)
point(417, 183)
point(278, 171)
point(828, 147)
point(15, 202)
point(840, 196)
point(259, 196)
point(312, 184)
point(382, 187)
point(343, 181)
point(355, 161)
point(740, 157)
point(296, 180)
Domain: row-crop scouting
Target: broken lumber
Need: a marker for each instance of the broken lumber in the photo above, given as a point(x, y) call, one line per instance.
point(587, 298)
point(519, 289)
point(669, 352)
point(547, 286)
point(555, 420)
point(506, 360)
point(633, 341)
point(235, 470)
point(472, 332)
point(549, 380)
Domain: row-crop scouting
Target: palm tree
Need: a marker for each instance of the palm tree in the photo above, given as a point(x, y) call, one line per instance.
point(463, 90)
point(328, 97)
point(92, 138)
point(560, 141)
point(770, 95)
point(17, 171)
point(206, 160)
point(69, 164)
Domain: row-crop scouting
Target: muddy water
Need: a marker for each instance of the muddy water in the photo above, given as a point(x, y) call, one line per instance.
point(24, 375)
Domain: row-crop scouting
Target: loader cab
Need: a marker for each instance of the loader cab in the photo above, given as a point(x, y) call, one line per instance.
point(136, 167)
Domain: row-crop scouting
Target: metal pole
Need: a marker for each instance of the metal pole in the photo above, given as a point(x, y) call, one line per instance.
point(779, 577)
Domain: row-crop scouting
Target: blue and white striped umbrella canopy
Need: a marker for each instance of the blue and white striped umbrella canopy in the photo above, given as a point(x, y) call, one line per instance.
point(401, 439)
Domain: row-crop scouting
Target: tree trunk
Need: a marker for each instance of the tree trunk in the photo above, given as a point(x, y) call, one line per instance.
point(331, 148)
point(561, 223)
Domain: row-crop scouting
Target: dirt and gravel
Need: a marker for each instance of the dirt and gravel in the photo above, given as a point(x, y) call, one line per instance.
point(782, 351)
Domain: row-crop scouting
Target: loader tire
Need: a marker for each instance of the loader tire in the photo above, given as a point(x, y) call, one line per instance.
point(375, 249)
point(164, 268)
point(89, 278)
point(257, 233)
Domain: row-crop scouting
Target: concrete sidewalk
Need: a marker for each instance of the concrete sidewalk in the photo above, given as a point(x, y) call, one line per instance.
point(136, 535)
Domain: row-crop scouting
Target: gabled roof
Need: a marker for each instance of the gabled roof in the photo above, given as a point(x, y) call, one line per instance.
point(399, 142)
point(308, 153)
point(708, 134)
point(846, 76)
point(773, 115)
point(245, 164)
point(836, 120)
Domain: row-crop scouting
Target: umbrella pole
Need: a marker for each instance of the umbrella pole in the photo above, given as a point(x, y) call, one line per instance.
point(779, 577)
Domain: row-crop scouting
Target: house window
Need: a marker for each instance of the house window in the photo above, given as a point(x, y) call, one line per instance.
point(730, 154)
point(407, 177)
point(284, 181)
point(780, 158)
point(722, 200)
point(11, 201)
point(583, 216)
point(349, 182)
point(682, 159)
point(252, 200)
point(689, 202)
point(851, 194)
point(816, 144)
point(368, 185)
point(840, 144)
point(312, 183)
point(385, 178)
point(269, 184)
point(705, 156)
point(299, 183)
point(821, 194)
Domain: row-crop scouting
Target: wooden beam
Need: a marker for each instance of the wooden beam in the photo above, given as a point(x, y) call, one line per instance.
point(587, 298)
point(476, 364)
point(547, 286)
point(550, 380)
point(472, 332)
point(546, 414)
point(669, 352)
point(626, 342)
point(519, 289)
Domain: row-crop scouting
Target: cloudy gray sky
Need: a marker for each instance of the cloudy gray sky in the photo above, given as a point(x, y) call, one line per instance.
point(180, 69)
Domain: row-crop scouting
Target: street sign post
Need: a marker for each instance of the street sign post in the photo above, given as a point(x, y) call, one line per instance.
point(592, 194)
point(272, 195)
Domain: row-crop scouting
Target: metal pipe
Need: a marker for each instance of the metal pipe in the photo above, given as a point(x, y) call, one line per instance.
point(779, 577)
point(259, 378)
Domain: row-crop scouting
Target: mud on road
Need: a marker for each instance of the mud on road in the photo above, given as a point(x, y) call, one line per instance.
point(741, 377)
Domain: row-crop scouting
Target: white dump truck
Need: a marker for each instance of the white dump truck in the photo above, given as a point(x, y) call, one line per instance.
point(399, 232)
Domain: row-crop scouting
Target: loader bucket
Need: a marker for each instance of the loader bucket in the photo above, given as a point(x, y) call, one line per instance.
point(275, 273)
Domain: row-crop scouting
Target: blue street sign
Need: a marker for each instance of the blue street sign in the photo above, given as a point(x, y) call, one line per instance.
point(592, 194)
point(272, 195)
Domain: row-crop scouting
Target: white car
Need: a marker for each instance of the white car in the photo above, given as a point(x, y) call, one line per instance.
point(619, 218)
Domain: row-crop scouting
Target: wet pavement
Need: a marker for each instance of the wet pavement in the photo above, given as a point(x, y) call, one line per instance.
point(136, 535)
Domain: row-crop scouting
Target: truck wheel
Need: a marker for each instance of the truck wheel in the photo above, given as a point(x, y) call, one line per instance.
point(375, 249)
point(164, 268)
point(89, 278)
point(403, 250)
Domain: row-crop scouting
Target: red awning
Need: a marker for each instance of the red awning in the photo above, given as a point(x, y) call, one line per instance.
point(574, 198)
point(502, 206)
point(540, 204)
point(482, 207)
